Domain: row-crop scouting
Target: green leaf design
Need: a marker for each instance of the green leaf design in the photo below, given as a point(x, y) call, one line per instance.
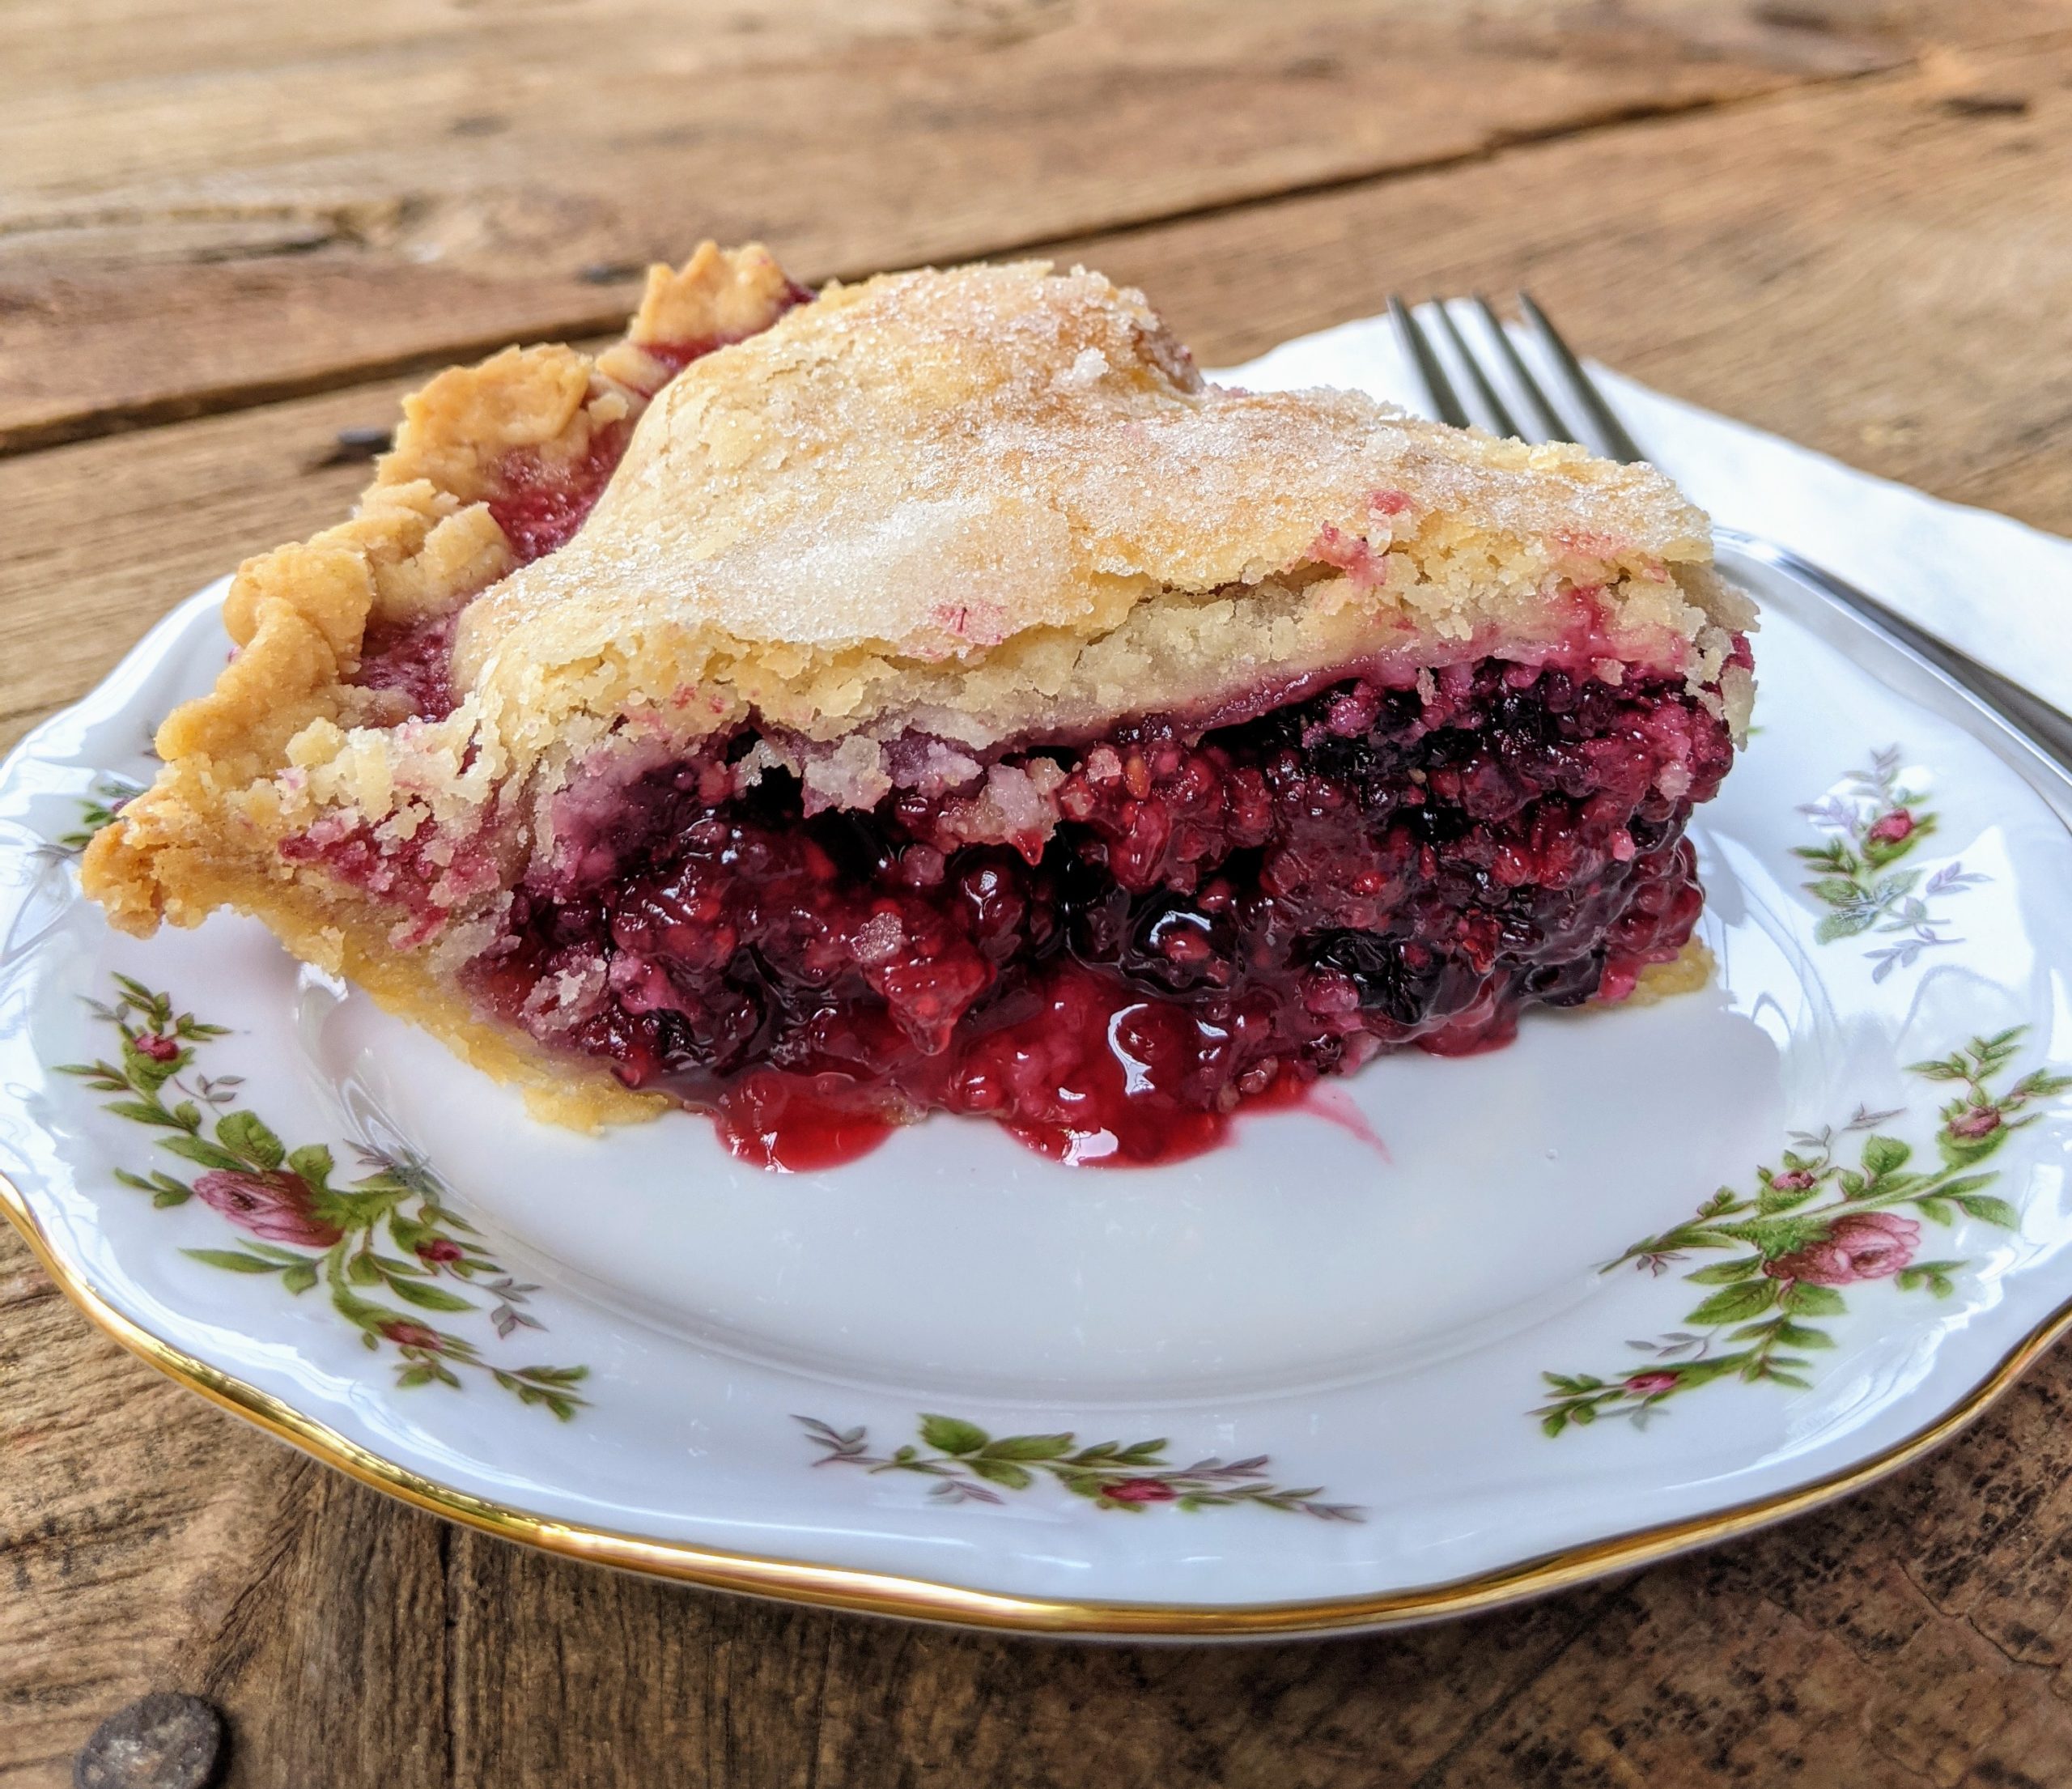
point(1776, 1236)
point(1883, 1155)
point(301, 1277)
point(200, 1150)
point(1833, 926)
point(1799, 1335)
point(233, 1260)
point(953, 1435)
point(1805, 1299)
point(1946, 1069)
point(1003, 1473)
point(1724, 1273)
point(1775, 1199)
point(1028, 1447)
point(1737, 1303)
point(965, 1464)
point(1990, 1210)
point(138, 1111)
point(426, 1297)
point(243, 1134)
point(312, 1162)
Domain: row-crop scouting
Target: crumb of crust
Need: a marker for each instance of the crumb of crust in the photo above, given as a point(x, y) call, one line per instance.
point(1690, 969)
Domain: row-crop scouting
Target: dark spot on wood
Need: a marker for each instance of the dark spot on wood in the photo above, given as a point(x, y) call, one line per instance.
point(610, 273)
point(1988, 105)
point(1787, 17)
point(166, 1741)
point(2003, 1776)
point(1313, 68)
point(486, 124)
point(351, 445)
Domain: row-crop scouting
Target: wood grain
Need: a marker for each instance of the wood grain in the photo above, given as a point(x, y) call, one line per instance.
point(1879, 266)
point(1869, 317)
point(284, 200)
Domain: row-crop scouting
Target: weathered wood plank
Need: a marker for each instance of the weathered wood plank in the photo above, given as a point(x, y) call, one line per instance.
point(280, 201)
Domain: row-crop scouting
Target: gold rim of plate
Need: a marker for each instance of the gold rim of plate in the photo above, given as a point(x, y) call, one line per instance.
point(916, 1598)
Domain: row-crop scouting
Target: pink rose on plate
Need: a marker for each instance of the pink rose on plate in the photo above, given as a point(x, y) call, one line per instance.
point(407, 1334)
point(1645, 1385)
point(1140, 1490)
point(1797, 1180)
point(158, 1046)
point(438, 1249)
point(1976, 1122)
point(1861, 1245)
point(1895, 828)
point(277, 1205)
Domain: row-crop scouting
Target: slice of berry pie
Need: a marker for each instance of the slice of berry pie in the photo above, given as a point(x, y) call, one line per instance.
point(931, 694)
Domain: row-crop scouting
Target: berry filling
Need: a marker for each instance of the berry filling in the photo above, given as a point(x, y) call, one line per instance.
point(414, 661)
point(1111, 947)
point(540, 509)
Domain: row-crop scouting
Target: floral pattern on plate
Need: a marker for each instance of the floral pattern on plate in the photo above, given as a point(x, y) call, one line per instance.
point(304, 1228)
point(970, 1465)
point(1814, 1225)
point(1872, 822)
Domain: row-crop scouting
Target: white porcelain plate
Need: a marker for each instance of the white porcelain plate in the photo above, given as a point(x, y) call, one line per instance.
point(1461, 1331)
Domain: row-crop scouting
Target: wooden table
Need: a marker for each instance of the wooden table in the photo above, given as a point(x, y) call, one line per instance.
point(227, 232)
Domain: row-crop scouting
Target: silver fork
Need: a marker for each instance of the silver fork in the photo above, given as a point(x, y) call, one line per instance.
point(1498, 363)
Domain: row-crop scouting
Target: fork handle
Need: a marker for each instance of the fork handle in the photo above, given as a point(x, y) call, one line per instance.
point(2045, 726)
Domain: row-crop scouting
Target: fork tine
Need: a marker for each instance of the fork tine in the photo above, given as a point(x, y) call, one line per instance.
point(1499, 416)
point(1610, 431)
point(1438, 388)
point(1551, 426)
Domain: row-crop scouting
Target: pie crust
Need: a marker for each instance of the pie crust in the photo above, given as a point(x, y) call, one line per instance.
point(917, 539)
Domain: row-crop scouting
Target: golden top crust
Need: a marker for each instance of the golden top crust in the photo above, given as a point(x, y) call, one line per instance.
point(918, 496)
